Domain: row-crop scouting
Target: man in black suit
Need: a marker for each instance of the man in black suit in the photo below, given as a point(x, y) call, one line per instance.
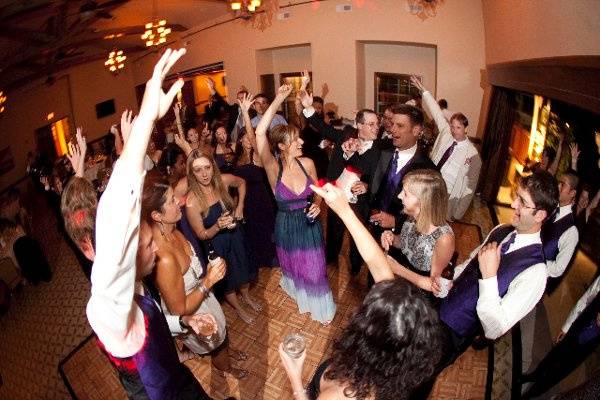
point(394, 163)
point(361, 155)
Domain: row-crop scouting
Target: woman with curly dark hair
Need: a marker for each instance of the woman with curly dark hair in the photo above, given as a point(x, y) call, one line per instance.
point(391, 345)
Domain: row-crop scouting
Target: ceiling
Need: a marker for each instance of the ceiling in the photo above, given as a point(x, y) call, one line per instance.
point(38, 38)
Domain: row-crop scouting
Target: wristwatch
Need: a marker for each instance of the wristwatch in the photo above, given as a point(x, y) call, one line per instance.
point(183, 325)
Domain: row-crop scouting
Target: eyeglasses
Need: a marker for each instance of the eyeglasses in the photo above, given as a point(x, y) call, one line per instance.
point(521, 202)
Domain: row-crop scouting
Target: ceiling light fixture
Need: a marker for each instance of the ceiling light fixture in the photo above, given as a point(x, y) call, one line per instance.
point(156, 33)
point(423, 8)
point(116, 61)
point(245, 5)
point(156, 30)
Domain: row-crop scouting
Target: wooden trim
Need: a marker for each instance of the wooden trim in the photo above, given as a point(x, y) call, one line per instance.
point(573, 79)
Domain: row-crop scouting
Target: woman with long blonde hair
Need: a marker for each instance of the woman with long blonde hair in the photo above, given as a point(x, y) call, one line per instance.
point(216, 219)
point(426, 241)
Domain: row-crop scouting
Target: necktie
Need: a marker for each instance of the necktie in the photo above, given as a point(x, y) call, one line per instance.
point(506, 245)
point(394, 165)
point(446, 155)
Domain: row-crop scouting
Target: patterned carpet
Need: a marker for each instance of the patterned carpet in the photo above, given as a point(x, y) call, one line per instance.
point(48, 321)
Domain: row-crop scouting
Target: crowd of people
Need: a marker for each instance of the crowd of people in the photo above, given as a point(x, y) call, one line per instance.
point(173, 229)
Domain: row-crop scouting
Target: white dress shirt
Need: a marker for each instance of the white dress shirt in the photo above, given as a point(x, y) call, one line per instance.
point(566, 245)
point(112, 312)
point(499, 314)
point(589, 296)
point(277, 120)
point(404, 157)
point(456, 160)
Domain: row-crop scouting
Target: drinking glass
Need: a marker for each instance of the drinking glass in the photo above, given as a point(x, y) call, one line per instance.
point(294, 345)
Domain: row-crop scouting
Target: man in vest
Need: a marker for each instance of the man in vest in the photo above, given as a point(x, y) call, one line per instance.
point(503, 278)
point(129, 324)
point(579, 337)
point(559, 233)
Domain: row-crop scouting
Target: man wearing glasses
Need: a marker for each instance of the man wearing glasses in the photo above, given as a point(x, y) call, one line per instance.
point(505, 277)
point(361, 155)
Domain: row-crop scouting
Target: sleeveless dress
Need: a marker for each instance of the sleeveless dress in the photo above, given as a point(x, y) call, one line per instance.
point(416, 248)
point(230, 244)
point(301, 252)
point(259, 211)
point(209, 305)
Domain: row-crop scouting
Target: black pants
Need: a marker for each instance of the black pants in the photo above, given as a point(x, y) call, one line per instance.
point(567, 355)
point(190, 388)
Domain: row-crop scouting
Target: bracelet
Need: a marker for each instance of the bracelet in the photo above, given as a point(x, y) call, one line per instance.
point(202, 289)
point(183, 325)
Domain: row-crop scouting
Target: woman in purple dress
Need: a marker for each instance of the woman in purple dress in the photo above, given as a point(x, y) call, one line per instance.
point(298, 235)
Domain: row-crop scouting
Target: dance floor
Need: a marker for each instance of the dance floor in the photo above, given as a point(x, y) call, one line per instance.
point(90, 376)
point(47, 322)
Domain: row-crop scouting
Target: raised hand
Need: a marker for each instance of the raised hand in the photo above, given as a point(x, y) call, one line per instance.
point(306, 99)
point(76, 154)
point(305, 80)
point(246, 102)
point(417, 83)
point(387, 239)
point(126, 124)
point(333, 196)
point(283, 92)
point(574, 151)
point(156, 102)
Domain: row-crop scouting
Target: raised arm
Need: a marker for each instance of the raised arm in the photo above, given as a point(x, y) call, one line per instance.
point(245, 105)
point(554, 166)
point(262, 142)
point(367, 246)
point(76, 154)
point(111, 310)
point(574, 147)
point(155, 104)
point(432, 108)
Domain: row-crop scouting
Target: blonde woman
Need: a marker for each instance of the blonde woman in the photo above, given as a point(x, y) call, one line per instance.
point(426, 241)
point(215, 218)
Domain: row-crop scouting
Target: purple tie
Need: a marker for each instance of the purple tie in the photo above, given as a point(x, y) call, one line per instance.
point(506, 245)
point(446, 155)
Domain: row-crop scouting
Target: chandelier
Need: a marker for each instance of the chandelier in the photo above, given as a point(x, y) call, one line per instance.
point(2, 101)
point(258, 13)
point(115, 62)
point(423, 8)
point(245, 5)
point(156, 33)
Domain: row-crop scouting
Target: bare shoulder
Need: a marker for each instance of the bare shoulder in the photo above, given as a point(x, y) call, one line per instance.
point(306, 162)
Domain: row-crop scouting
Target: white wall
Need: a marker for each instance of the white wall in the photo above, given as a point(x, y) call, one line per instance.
point(520, 30)
point(398, 58)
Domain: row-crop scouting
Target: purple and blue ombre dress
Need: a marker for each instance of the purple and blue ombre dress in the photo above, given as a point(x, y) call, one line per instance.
point(301, 252)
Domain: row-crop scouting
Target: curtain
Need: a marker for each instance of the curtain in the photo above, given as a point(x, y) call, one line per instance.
point(494, 151)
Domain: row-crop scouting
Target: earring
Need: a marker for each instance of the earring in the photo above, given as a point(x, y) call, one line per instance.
point(161, 228)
